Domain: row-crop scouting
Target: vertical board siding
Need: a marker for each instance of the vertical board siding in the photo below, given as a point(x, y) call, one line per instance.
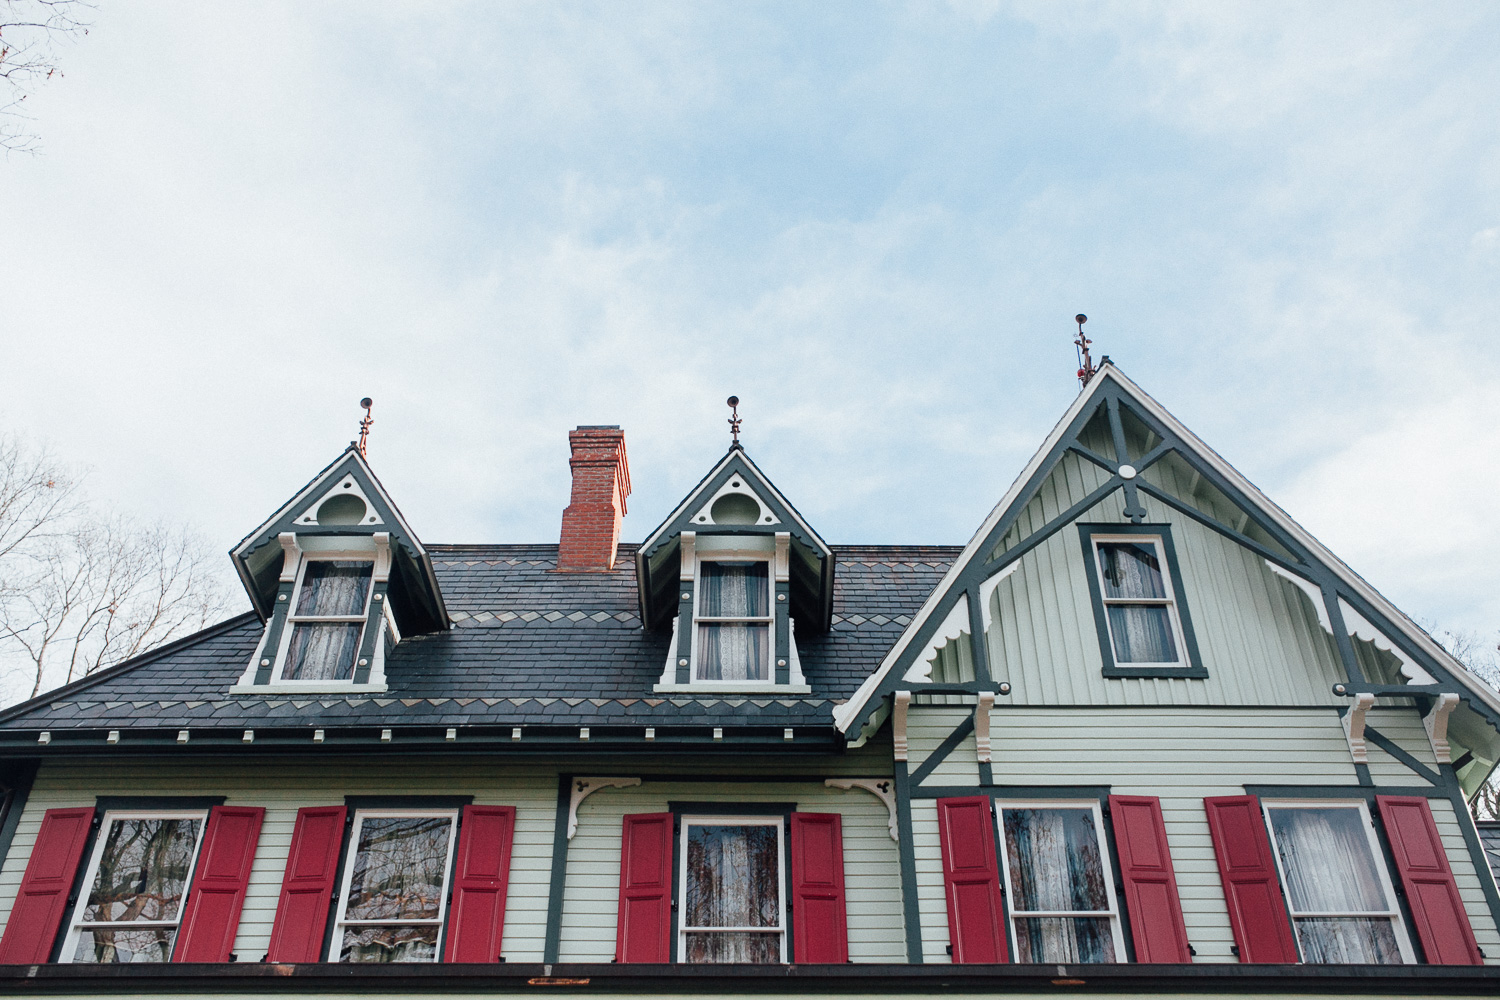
point(871, 865)
point(294, 785)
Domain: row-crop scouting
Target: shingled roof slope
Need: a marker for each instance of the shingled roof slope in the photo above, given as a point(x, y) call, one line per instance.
point(529, 645)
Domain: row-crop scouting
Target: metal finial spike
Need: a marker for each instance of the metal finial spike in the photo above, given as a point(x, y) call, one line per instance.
point(734, 421)
point(1086, 369)
point(364, 426)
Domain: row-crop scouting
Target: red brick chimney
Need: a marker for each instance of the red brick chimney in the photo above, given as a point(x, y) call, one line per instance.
point(601, 482)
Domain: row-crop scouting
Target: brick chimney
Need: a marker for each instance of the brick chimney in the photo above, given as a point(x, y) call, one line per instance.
point(601, 482)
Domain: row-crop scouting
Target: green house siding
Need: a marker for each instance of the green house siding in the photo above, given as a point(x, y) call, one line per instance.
point(872, 884)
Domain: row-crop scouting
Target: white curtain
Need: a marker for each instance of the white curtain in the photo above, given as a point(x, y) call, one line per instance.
point(732, 882)
point(1055, 865)
point(734, 652)
point(1325, 854)
point(1142, 632)
point(322, 652)
point(334, 587)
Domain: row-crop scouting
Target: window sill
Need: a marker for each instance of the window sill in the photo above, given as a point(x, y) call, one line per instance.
point(309, 687)
point(1192, 673)
point(732, 687)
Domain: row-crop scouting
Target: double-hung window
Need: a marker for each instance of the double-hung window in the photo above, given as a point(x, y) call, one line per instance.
point(329, 608)
point(733, 890)
point(1343, 906)
point(135, 886)
point(394, 896)
point(1139, 605)
point(734, 621)
point(1062, 899)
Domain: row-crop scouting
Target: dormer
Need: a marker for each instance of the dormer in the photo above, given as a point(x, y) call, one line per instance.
point(339, 579)
point(736, 574)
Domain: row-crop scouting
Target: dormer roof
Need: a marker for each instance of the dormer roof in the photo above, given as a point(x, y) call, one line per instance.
point(737, 498)
point(345, 500)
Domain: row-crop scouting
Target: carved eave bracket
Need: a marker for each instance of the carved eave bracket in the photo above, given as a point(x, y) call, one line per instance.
point(1354, 727)
point(902, 702)
point(1436, 724)
point(878, 787)
point(982, 725)
point(583, 788)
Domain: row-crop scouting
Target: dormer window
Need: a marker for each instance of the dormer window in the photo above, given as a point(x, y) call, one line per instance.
point(330, 607)
point(734, 621)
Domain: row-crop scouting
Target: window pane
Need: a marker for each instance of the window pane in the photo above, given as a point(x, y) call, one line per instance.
point(389, 944)
point(399, 868)
point(1352, 940)
point(1054, 861)
point(735, 590)
point(1142, 633)
point(143, 870)
point(1325, 854)
point(1064, 939)
point(745, 946)
point(1130, 569)
point(731, 877)
point(334, 587)
point(734, 652)
point(122, 944)
point(322, 652)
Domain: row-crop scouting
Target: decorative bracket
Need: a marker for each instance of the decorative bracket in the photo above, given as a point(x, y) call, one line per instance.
point(583, 788)
point(982, 725)
point(878, 787)
point(1354, 727)
point(292, 556)
point(1436, 724)
point(898, 723)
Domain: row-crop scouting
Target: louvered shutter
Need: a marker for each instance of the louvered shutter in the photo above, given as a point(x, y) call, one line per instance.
point(1431, 893)
point(42, 901)
point(1247, 870)
point(820, 926)
point(1156, 924)
point(971, 877)
point(476, 919)
point(307, 886)
point(644, 929)
point(212, 912)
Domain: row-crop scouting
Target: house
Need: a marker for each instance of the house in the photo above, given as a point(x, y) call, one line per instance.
point(1143, 735)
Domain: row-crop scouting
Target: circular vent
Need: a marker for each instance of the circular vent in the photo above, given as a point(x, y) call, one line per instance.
point(345, 508)
point(735, 508)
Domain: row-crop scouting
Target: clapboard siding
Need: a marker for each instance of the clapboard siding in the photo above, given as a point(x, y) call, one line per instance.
point(871, 862)
point(926, 729)
point(284, 788)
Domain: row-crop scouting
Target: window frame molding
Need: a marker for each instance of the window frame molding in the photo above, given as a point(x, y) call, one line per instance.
point(703, 814)
point(1190, 665)
point(105, 814)
point(1379, 854)
point(1108, 864)
point(280, 662)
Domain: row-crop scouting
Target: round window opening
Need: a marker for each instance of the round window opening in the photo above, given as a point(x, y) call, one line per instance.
point(346, 508)
point(735, 508)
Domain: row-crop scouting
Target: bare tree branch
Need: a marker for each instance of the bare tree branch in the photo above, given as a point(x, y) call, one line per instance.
point(31, 35)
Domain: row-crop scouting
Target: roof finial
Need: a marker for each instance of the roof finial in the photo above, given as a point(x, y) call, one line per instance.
point(1086, 369)
point(364, 426)
point(734, 420)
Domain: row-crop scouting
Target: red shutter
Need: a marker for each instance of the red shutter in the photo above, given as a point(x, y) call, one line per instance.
point(212, 913)
point(1156, 923)
point(971, 876)
point(820, 928)
point(42, 900)
point(1431, 893)
point(644, 930)
point(1252, 889)
point(307, 887)
point(476, 922)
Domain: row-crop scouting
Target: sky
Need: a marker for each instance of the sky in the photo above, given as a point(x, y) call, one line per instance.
point(873, 222)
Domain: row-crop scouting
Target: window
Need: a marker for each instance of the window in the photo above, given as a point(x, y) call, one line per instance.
point(1143, 623)
point(135, 886)
point(395, 886)
point(328, 615)
point(1339, 892)
point(732, 891)
point(1062, 899)
point(734, 619)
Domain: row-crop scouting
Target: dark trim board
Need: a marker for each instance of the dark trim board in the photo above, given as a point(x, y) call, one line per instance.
point(17, 789)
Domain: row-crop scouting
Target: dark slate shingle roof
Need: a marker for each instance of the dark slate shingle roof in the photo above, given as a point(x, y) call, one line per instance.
point(1489, 836)
point(528, 645)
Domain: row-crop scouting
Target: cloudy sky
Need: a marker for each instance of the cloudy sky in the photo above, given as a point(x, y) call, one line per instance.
point(871, 222)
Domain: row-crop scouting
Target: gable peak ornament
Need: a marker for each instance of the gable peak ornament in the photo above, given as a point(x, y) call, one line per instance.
point(364, 427)
point(733, 403)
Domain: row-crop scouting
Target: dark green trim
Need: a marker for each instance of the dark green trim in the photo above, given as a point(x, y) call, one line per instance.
point(1194, 668)
point(1477, 855)
point(1366, 792)
point(689, 807)
point(374, 619)
point(687, 628)
point(16, 784)
point(107, 803)
point(906, 849)
point(407, 801)
point(1390, 747)
point(269, 650)
point(942, 750)
point(558, 878)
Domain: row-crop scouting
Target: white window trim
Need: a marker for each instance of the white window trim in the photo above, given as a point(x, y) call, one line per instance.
point(711, 819)
point(352, 853)
point(1013, 914)
point(1403, 940)
point(1174, 614)
point(77, 925)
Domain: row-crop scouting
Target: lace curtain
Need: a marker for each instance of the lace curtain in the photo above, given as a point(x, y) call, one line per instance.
point(1329, 869)
point(1055, 865)
point(326, 650)
point(734, 651)
point(1142, 633)
point(732, 882)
